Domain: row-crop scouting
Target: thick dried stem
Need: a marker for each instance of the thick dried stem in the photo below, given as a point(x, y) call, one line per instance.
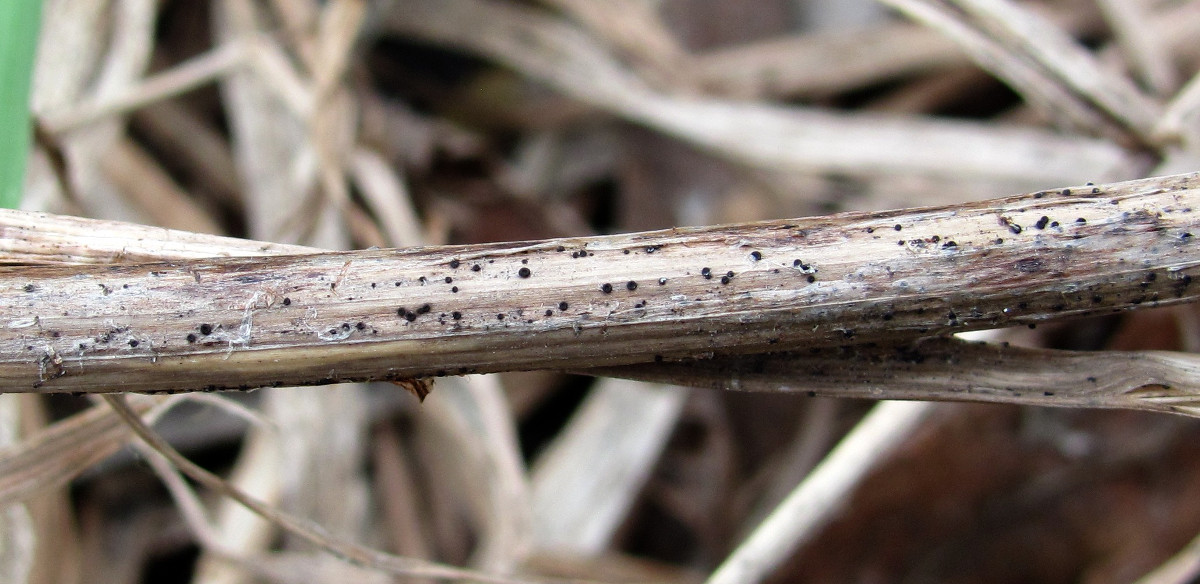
point(587, 302)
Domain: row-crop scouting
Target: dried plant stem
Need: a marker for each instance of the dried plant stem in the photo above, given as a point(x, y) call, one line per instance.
point(601, 301)
point(952, 370)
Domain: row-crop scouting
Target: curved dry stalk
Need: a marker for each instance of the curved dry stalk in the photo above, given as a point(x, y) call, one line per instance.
point(600, 301)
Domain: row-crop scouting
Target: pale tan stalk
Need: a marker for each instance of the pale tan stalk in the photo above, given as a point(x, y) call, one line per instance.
point(800, 284)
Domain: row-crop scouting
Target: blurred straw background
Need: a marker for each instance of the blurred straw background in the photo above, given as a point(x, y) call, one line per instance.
point(347, 124)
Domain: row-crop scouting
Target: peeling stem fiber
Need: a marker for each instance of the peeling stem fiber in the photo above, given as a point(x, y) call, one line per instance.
point(852, 278)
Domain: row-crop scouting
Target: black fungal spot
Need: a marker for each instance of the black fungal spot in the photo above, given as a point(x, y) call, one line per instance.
point(1057, 307)
point(798, 263)
point(706, 272)
point(870, 230)
point(949, 244)
point(1042, 222)
point(1066, 192)
point(206, 329)
point(410, 316)
point(658, 358)
point(549, 313)
point(563, 306)
point(454, 289)
point(888, 315)
point(1091, 379)
point(653, 248)
point(1048, 393)
point(524, 273)
point(900, 242)
point(811, 279)
point(574, 254)
point(999, 241)
point(1053, 224)
point(935, 238)
point(1081, 221)
point(729, 274)
point(606, 288)
point(345, 326)
point(454, 264)
point(1095, 191)
point(560, 249)
point(333, 331)
point(449, 279)
point(1183, 236)
point(897, 227)
point(424, 309)
point(133, 343)
point(631, 285)
point(724, 279)
point(31, 288)
point(1013, 227)
point(372, 284)
point(422, 280)
point(456, 315)
point(524, 261)
point(951, 316)
point(360, 325)
point(191, 338)
point(756, 255)
point(1039, 194)
point(662, 281)
point(625, 251)
point(811, 394)
point(500, 316)
point(476, 268)
point(1097, 299)
point(397, 284)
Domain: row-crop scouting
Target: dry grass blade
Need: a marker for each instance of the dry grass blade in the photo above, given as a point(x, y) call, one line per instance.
point(586, 481)
point(348, 551)
point(1145, 51)
point(17, 532)
point(994, 45)
point(1065, 61)
point(808, 64)
point(590, 302)
point(782, 139)
point(185, 77)
point(816, 499)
